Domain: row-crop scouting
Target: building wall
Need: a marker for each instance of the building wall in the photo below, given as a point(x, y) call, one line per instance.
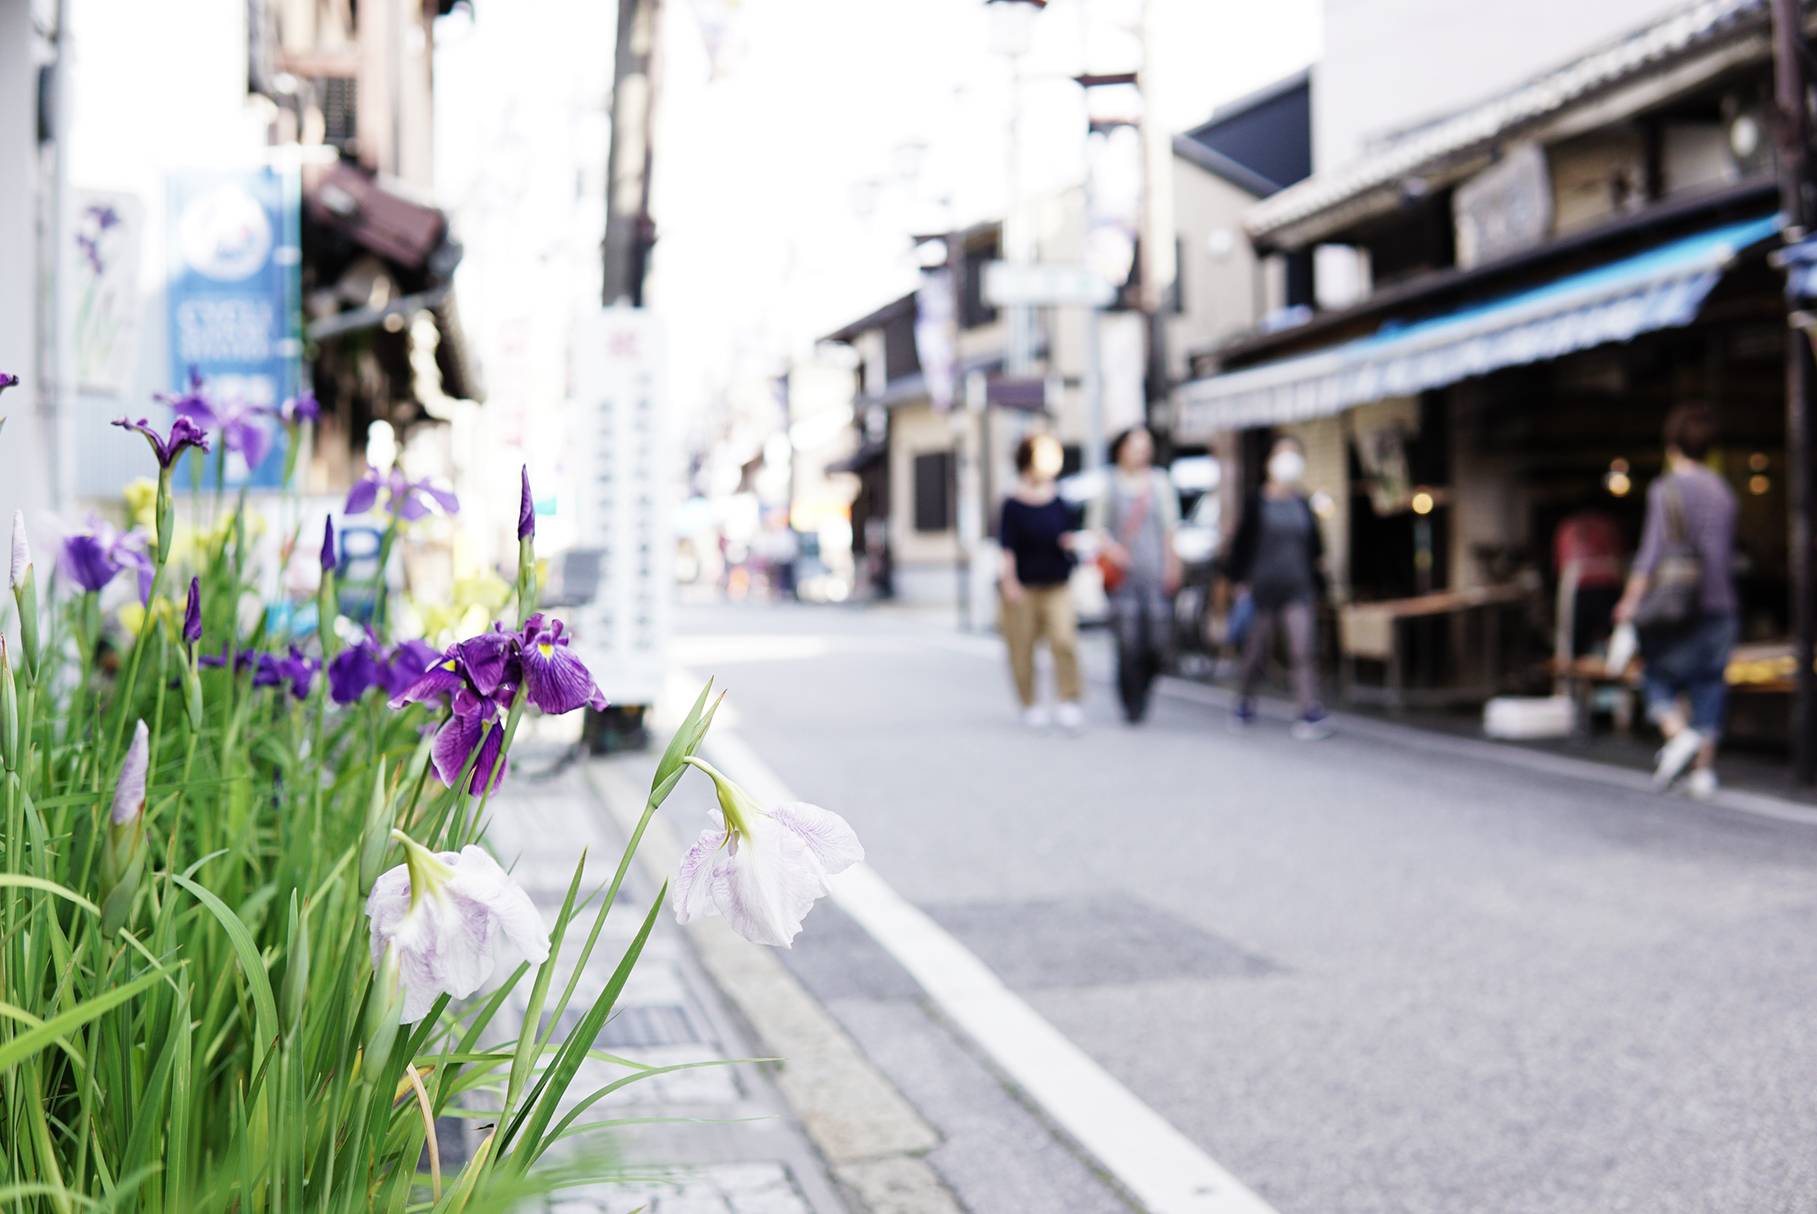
point(1223, 287)
point(915, 429)
point(1391, 64)
point(134, 122)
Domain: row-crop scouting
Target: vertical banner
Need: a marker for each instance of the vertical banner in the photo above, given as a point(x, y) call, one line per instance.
point(629, 481)
point(233, 298)
point(936, 331)
point(105, 282)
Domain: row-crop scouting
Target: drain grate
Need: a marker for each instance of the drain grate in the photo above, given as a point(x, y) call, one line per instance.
point(1095, 940)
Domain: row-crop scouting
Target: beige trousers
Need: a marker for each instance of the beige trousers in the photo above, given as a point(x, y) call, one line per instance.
point(1043, 613)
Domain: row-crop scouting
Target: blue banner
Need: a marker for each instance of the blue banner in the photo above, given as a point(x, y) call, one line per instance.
point(234, 299)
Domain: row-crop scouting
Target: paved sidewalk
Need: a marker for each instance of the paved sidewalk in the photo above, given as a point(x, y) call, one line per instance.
point(728, 1143)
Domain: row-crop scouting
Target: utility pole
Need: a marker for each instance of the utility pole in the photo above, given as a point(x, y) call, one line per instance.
point(1792, 101)
point(630, 232)
point(1791, 94)
point(625, 260)
point(1159, 265)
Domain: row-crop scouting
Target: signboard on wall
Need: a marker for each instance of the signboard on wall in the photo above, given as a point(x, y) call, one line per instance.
point(1505, 208)
point(106, 233)
point(232, 302)
point(628, 485)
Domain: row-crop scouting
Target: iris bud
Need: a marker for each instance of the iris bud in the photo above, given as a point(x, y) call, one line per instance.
point(123, 850)
point(384, 1007)
point(376, 837)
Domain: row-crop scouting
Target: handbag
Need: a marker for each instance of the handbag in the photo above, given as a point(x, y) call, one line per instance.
point(1674, 595)
point(1240, 621)
point(1115, 575)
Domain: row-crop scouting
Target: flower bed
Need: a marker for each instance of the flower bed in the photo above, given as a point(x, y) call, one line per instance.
point(252, 944)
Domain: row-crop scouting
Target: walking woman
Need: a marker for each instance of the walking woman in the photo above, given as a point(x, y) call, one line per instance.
point(1036, 533)
point(1135, 520)
point(1681, 599)
point(1275, 560)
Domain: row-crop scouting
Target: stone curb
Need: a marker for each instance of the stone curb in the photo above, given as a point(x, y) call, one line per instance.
point(870, 1136)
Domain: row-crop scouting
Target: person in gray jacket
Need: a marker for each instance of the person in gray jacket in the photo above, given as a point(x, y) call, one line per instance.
point(1135, 518)
point(1690, 513)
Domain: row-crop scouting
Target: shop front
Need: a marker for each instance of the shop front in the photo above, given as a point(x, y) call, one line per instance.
point(1481, 467)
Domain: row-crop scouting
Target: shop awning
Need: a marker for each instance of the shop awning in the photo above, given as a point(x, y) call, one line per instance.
point(1659, 289)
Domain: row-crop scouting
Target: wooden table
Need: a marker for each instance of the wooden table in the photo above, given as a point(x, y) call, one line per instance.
point(1377, 632)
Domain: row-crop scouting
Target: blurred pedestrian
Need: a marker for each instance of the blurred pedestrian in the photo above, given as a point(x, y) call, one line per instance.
point(1036, 532)
point(1587, 557)
point(1681, 599)
point(1275, 559)
point(1135, 518)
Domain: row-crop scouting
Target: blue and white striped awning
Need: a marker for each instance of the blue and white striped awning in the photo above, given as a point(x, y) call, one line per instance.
point(1659, 289)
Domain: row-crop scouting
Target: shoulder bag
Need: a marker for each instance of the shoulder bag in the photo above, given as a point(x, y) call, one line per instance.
point(1674, 594)
point(1115, 575)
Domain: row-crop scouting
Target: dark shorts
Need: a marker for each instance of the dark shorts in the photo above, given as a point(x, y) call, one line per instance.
point(1692, 663)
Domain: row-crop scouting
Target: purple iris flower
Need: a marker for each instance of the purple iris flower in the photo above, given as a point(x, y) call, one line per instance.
point(526, 509)
point(555, 680)
point(270, 670)
point(480, 676)
point(361, 667)
point(404, 499)
point(449, 677)
point(192, 612)
point(93, 556)
point(328, 558)
point(85, 561)
point(354, 671)
point(183, 433)
point(406, 664)
point(192, 401)
point(242, 661)
point(8, 380)
point(236, 420)
point(296, 670)
point(298, 409)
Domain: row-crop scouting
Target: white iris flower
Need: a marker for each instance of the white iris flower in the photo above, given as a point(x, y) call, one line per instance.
point(762, 869)
point(453, 917)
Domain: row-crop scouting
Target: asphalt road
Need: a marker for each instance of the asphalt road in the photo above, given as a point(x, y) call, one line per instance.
point(1363, 976)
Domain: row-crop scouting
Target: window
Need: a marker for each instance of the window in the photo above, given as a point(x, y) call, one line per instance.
point(933, 506)
point(975, 311)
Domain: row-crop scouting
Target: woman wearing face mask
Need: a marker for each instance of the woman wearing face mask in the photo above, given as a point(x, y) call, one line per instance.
point(1275, 559)
point(1036, 533)
point(1135, 521)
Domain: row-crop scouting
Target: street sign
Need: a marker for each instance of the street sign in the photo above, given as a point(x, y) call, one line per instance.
point(1044, 285)
point(629, 480)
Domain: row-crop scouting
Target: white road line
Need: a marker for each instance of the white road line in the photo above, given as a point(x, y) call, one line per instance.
point(1160, 1167)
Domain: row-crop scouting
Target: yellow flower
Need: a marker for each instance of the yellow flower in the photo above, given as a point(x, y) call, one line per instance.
point(141, 498)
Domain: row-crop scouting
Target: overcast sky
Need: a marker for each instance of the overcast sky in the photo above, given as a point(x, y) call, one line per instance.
point(801, 141)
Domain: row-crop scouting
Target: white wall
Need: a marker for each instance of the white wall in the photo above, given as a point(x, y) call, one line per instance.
point(26, 442)
point(1389, 64)
point(151, 95)
point(1223, 292)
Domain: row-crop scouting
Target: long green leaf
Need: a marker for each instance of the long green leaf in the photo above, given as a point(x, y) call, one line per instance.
point(32, 1040)
point(264, 1003)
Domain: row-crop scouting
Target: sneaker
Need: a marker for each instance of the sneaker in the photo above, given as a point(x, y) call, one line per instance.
point(1036, 717)
point(1242, 716)
point(1675, 756)
point(1701, 784)
point(1069, 716)
point(1315, 726)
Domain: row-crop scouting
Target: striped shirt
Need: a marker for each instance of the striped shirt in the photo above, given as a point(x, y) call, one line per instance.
point(1708, 508)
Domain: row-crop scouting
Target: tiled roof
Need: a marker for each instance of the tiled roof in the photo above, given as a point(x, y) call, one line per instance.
point(1685, 33)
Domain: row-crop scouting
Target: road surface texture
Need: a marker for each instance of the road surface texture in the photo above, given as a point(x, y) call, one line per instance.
point(1364, 975)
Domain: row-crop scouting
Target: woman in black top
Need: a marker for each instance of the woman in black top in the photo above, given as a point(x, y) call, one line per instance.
point(1036, 534)
point(1275, 561)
